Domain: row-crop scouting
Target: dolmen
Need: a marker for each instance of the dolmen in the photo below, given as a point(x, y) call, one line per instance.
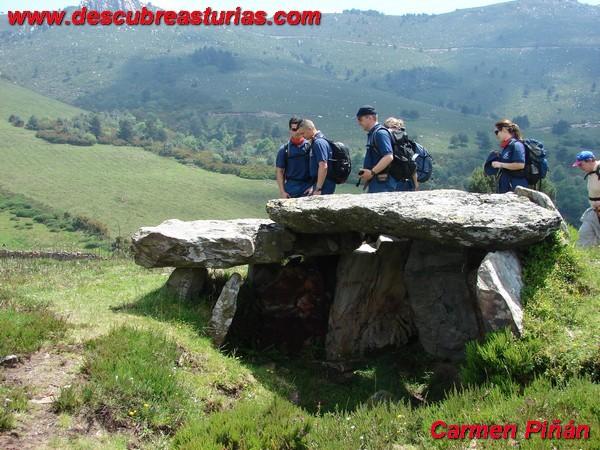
point(360, 273)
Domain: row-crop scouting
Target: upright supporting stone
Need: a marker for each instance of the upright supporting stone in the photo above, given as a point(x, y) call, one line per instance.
point(499, 285)
point(444, 310)
point(370, 310)
point(187, 284)
point(224, 310)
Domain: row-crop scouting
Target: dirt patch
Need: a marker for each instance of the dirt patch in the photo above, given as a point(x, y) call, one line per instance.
point(42, 375)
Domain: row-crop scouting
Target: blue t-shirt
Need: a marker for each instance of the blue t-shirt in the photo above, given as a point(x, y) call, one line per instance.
point(297, 161)
point(513, 153)
point(380, 137)
point(510, 179)
point(320, 151)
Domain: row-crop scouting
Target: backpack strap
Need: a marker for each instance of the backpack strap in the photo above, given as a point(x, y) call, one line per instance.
point(597, 172)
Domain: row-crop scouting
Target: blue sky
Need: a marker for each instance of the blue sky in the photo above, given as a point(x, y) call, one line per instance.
point(387, 6)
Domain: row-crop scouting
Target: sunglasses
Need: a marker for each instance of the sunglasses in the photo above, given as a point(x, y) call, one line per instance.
point(496, 132)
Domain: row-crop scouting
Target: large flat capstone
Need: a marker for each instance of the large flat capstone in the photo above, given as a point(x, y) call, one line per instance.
point(449, 217)
point(229, 243)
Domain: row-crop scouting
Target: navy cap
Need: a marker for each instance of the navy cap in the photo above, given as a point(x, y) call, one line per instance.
point(366, 110)
point(585, 155)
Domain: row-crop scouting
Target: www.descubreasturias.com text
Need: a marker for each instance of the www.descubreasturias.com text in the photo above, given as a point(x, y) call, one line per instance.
point(145, 16)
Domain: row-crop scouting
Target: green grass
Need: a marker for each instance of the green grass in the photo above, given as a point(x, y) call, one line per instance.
point(132, 377)
point(13, 400)
point(25, 325)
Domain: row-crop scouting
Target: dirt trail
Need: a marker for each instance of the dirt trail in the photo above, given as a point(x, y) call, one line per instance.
point(43, 374)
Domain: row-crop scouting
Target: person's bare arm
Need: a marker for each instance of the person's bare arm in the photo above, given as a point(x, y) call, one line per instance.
point(508, 166)
point(379, 167)
point(321, 176)
point(415, 179)
point(281, 182)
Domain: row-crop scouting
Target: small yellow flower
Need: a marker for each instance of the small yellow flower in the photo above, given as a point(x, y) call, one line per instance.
point(146, 405)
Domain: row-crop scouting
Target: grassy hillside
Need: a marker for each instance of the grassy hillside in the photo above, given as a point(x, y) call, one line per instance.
point(122, 187)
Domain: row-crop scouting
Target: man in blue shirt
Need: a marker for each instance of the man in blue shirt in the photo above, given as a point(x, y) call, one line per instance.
point(379, 155)
point(293, 173)
point(320, 154)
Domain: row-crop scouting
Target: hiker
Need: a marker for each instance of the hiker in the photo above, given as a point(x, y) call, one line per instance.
point(589, 233)
point(292, 164)
point(511, 159)
point(379, 154)
point(396, 125)
point(320, 154)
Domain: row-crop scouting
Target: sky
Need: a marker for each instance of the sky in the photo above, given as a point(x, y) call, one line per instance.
point(394, 7)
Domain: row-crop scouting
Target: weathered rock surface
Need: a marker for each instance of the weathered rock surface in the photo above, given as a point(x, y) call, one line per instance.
point(229, 243)
point(499, 285)
point(541, 199)
point(370, 310)
point(224, 310)
point(449, 217)
point(444, 310)
point(187, 284)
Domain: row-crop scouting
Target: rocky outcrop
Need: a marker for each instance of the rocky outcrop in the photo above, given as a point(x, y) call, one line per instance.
point(229, 243)
point(448, 217)
point(224, 310)
point(499, 285)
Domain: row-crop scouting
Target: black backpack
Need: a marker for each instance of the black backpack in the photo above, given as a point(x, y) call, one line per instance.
point(536, 161)
point(404, 165)
point(340, 164)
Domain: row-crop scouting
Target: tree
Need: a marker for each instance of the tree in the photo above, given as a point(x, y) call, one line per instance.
point(481, 183)
point(561, 127)
point(125, 130)
point(276, 132)
point(483, 140)
point(96, 126)
point(33, 123)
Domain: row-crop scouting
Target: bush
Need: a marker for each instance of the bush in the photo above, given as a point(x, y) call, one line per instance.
point(25, 212)
point(501, 358)
point(62, 137)
point(278, 425)
point(44, 218)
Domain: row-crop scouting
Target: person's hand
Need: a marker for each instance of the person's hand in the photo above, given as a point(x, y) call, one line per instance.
point(496, 164)
point(309, 191)
point(316, 192)
point(284, 194)
point(365, 174)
